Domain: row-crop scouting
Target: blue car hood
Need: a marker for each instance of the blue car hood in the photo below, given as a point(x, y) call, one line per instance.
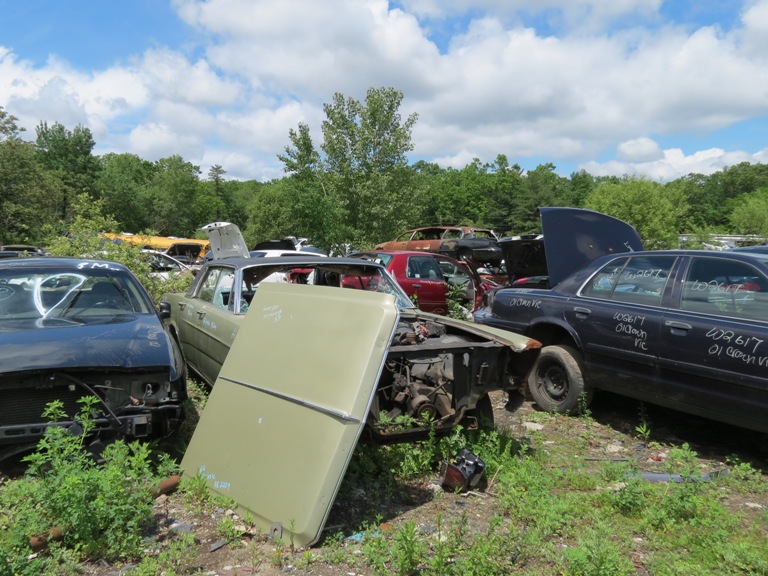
point(572, 238)
point(122, 342)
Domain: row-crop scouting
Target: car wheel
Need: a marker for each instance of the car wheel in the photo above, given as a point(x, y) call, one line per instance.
point(557, 382)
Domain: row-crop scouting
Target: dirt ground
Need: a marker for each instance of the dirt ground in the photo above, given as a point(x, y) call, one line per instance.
point(611, 433)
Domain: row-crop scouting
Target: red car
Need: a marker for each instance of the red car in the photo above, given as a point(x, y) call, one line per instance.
point(426, 276)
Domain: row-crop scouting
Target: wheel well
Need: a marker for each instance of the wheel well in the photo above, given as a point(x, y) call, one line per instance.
point(549, 334)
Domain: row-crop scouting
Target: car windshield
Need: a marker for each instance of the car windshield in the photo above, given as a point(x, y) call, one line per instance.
point(57, 293)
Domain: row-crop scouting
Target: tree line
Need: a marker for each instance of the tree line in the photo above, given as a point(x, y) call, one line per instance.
point(355, 188)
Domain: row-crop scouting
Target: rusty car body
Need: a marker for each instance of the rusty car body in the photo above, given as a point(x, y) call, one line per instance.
point(460, 242)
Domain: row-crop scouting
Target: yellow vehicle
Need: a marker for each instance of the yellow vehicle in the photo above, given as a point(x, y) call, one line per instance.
point(186, 250)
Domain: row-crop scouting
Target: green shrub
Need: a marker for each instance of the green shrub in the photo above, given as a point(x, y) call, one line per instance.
point(102, 506)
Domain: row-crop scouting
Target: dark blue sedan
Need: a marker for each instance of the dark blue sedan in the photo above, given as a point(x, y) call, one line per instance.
point(71, 328)
point(683, 329)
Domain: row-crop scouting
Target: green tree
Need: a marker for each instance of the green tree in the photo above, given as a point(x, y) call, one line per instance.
point(536, 188)
point(715, 196)
point(360, 189)
point(122, 185)
point(68, 154)
point(27, 193)
point(750, 214)
point(174, 194)
point(365, 146)
point(508, 186)
point(315, 210)
point(9, 130)
point(461, 196)
point(216, 178)
point(655, 211)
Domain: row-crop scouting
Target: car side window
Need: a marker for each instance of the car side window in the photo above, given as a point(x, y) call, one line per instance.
point(720, 286)
point(601, 284)
point(452, 234)
point(424, 267)
point(639, 280)
point(223, 295)
point(427, 234)
point(208, 284)
point(216, 286)
point(453, 273)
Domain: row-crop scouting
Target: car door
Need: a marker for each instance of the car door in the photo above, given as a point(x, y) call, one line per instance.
point(214, 319)
point(713, 354)
point(423, 281)
point(618, 315)
point(456, 274)
point(401, 242)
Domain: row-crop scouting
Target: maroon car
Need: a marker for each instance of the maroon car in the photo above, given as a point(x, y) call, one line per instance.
point(425, 277)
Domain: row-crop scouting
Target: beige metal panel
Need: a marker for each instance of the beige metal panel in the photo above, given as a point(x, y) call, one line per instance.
point(290, 402)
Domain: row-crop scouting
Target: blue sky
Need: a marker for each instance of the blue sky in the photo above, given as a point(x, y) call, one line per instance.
point(646, 87)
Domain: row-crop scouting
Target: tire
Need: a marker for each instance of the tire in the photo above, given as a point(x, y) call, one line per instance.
point(556, 382)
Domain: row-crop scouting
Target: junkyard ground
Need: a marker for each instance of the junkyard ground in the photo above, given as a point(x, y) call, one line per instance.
point(609, 433)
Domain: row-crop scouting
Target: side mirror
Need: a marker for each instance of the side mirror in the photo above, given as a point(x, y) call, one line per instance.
point(165, 310)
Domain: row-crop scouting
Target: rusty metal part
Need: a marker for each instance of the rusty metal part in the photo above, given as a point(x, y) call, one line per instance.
point(166, 486)
point(40, 542)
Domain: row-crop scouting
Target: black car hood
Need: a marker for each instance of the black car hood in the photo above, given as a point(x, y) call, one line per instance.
point(125, 342)
point(571, 239)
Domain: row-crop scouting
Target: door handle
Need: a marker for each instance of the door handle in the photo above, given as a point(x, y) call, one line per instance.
point(416, 286)
point(582, 310)
point(679, 325)
point(201, 313)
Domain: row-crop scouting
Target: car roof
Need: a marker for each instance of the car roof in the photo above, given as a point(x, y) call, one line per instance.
point(462, 227)
point(402, 253)
point(758, 258)
point(269, 253)
point(306, 261)
point(61, 262)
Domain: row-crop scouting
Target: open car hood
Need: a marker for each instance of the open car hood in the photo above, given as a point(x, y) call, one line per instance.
point(571, 239)
point(226, 240)
point(290, 403)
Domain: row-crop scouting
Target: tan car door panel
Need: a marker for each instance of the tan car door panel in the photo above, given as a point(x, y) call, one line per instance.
point(290, 403)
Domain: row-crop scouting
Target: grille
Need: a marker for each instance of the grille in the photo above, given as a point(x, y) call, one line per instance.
point(26, 405)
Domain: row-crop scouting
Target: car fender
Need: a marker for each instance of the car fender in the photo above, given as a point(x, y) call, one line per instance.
point(553, 330)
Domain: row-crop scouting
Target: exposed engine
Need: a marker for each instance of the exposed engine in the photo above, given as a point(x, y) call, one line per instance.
point(425, 382)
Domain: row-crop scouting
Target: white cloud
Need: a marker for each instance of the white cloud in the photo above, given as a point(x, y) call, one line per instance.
point(754, 36)
point(497, 87)
point(639, 150)
point(675, 164)
point(155, 141)
point(169, 75)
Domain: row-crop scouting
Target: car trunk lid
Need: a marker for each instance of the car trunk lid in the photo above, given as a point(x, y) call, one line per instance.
point(572, 237)
point(226, 240)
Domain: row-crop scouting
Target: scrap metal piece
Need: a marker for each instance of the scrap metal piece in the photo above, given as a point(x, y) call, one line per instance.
point(463, 473)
